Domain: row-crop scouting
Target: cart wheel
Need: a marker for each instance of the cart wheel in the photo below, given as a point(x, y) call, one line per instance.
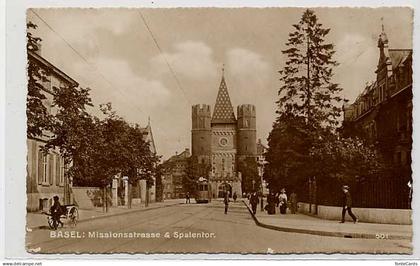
point(74, 216)
point(51, 223)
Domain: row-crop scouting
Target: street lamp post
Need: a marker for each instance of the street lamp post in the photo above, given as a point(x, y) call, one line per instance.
point(310, 195)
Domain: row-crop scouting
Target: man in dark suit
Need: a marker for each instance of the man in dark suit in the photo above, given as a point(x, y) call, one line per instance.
point(226, 201)
point(347, 204)
point(253, 200)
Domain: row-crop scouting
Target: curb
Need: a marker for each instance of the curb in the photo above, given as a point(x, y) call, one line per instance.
point(322, 233)
point(111, 215)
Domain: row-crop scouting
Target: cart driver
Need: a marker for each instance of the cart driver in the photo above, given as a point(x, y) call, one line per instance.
point(56, 211)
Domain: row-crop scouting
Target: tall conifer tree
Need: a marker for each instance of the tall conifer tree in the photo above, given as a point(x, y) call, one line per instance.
point(308, 89)
point(308, 104)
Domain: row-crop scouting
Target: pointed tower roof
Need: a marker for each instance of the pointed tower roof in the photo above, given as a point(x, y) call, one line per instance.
point(223, 110)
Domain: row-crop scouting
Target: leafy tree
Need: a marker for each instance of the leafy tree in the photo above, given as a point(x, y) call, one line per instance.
point(338, 161)
point(287, 157)
point(38, 118)
point(192, 174)
point(249, 171)
point(123, 149)
point(71, 128)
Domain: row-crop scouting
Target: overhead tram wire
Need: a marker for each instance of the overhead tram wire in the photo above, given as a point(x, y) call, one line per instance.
point(94, 67)
point(178, 83)
point(86, 61)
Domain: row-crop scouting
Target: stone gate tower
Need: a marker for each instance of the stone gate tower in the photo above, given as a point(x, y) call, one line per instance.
point(221, 140)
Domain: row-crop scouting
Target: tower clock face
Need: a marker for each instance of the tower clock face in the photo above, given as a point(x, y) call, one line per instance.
point(223, 142)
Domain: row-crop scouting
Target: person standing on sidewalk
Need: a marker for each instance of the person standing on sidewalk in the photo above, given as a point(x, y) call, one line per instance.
point(347, 204)
point(283, 201)
point(187, 198)
point(234, 196)
point(226, 201)
point(254, 202)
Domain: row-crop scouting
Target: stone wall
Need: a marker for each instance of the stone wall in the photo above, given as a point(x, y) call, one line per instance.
point(365, 215)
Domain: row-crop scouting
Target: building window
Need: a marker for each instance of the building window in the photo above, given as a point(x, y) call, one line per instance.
point(42, 168)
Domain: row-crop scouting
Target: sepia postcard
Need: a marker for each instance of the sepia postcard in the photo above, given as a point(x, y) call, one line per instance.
point(219, 130)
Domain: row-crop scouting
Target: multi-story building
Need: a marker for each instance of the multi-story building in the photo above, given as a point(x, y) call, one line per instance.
point(382, 113)
point(174, 172)
point(45, 172)
point(221, 140)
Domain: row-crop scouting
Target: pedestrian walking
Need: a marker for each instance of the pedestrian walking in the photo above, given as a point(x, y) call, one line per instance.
point(226, 201)
point(283, 201)
point(254, 202)
point(293, 202)
point(347, 204)
point(234, 196)
point(271, 204)
point(187, 198)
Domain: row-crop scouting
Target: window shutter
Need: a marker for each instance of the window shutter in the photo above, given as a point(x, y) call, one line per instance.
point(51, 168)
point(40, 167)
point(57, 170)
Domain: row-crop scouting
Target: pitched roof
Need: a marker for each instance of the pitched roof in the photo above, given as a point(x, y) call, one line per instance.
point(261, 148)
point(148, 136)
point(34, 56)
point(398, 56)
point(223, 110)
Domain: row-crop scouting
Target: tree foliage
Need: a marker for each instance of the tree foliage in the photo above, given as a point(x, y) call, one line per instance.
point(287, 155)
point(94, 149)
point(193, 171)
point(307, 89)
point(38, 118)
point(249, 171)
point(304, 142)
point(349, 160)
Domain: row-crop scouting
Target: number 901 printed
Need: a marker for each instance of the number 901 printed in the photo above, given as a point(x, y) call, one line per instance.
point(381, 236)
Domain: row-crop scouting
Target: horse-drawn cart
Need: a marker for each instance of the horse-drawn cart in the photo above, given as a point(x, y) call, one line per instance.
point(69, 213)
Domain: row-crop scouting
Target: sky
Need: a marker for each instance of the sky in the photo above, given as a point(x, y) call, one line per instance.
point(157, 63)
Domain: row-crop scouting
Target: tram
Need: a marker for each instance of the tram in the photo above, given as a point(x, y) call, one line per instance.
point(203, 191)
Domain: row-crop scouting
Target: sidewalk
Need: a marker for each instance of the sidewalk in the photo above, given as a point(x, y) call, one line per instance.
point(300, 223)
point(36, 220)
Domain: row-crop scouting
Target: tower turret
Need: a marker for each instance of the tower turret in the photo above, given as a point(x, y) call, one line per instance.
point(201, 132)
point(247, 130)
